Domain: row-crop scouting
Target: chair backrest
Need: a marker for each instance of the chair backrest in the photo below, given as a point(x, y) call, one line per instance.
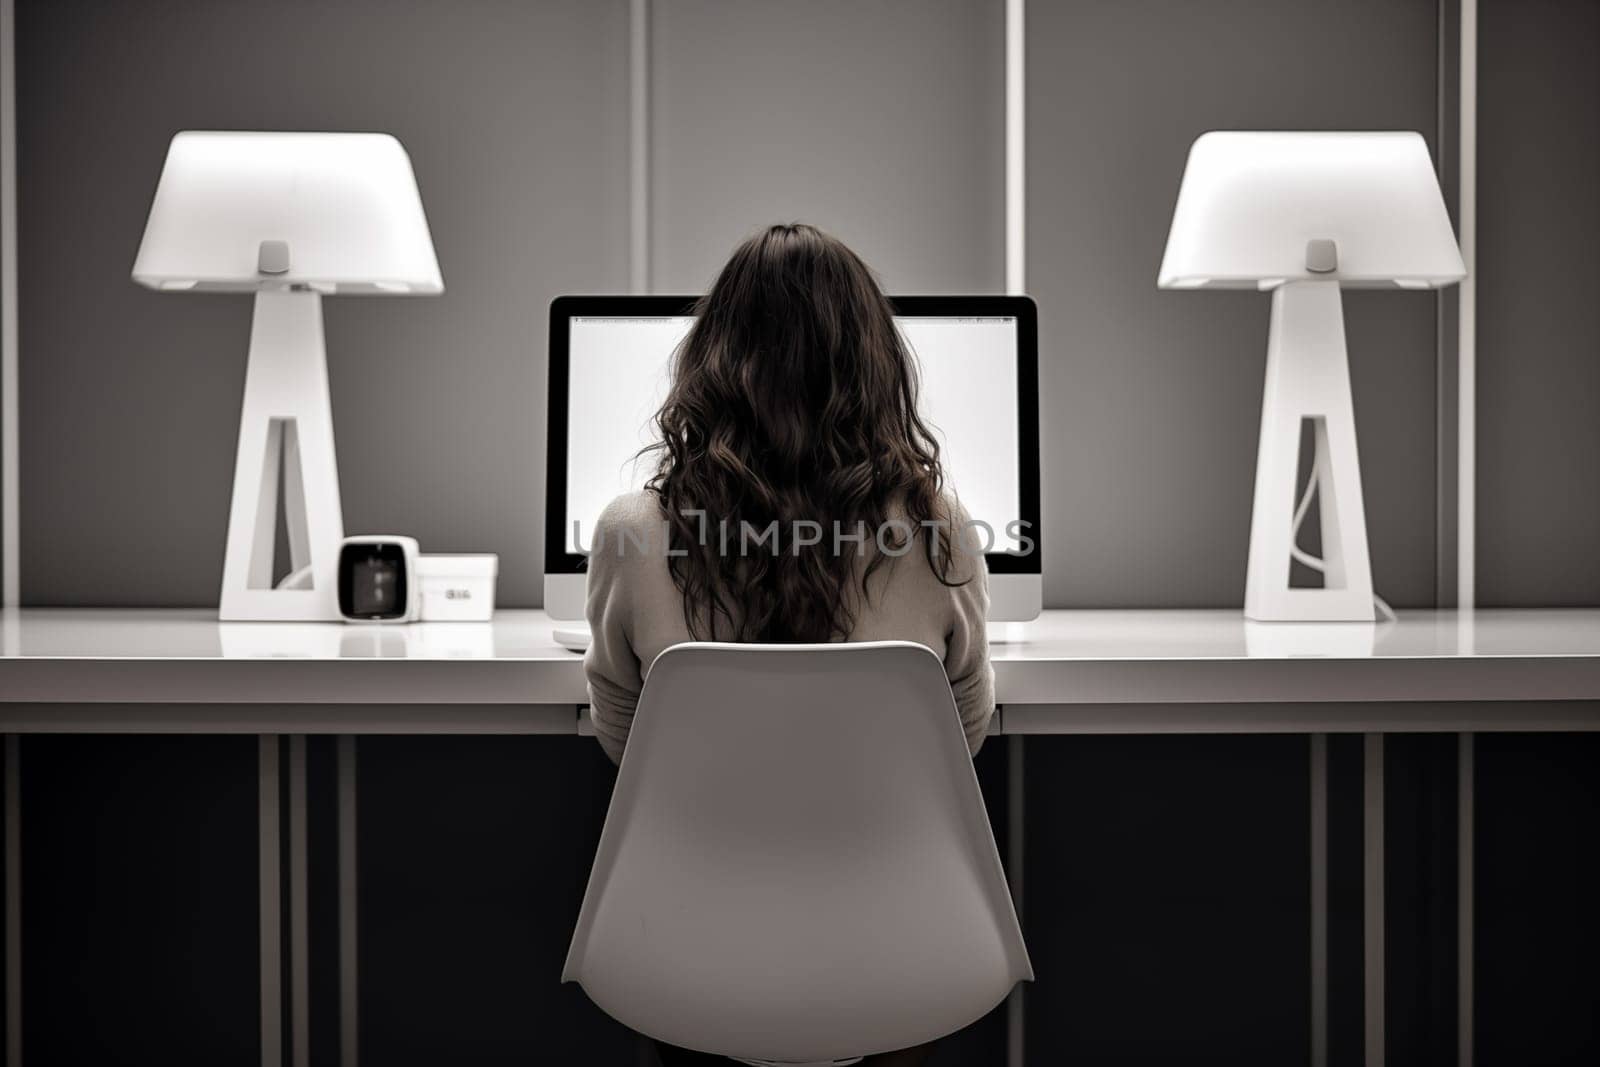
point(797, 865)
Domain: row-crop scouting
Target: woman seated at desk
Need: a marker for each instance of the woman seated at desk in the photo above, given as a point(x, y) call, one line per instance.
point(793, 402)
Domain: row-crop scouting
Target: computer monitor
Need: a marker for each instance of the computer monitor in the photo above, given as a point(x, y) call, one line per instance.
point(610, 364)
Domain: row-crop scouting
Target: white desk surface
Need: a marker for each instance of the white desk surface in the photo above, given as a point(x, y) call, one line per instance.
point(1068, 671)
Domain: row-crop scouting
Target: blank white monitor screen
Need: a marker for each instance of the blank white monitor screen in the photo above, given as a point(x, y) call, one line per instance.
point(619, 371)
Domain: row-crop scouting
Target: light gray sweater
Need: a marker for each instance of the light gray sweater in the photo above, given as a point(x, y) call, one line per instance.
point(636, 612)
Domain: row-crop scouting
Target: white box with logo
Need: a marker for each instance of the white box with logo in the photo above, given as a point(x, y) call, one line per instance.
point(457, 588)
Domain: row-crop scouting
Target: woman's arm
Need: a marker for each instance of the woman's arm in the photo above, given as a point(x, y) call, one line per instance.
point(613, 670)
point(966, 658)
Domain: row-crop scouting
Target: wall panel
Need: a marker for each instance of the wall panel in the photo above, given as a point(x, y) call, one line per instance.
point(8, 391)
point(1538, 320)
point(1153, 399)
point(515, 118)
point(882, 122)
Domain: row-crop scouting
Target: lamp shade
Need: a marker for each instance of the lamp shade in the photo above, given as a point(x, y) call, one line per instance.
point(248, 211)
point(1257, 209)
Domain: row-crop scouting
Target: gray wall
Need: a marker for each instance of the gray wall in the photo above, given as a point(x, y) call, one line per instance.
point(1153, 399)
point(515, 118)
point(1538, 317)
point(880, 120)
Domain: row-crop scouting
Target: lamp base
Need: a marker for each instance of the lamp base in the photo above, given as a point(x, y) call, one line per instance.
point(1308, 379)
point(285, 440)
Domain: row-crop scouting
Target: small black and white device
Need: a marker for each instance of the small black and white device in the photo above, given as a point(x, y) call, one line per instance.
point(378, 579)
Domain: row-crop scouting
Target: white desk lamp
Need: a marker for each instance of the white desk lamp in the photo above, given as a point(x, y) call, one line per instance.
point(1302, 214)
point(288, 217)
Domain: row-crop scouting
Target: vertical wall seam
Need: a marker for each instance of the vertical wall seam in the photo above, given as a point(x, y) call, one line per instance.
point(1467, 317)
point(1440, 373)
point(10, 507)
point(1016, 147)
point(639, 146)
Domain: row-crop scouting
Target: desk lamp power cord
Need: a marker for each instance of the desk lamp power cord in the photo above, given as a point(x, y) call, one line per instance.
point(1316, 563)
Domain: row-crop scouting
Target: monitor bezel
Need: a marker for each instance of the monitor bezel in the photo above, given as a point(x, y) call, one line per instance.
point(564, 308)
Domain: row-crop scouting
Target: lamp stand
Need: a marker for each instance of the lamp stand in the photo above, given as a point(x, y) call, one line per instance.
point(285, 430)
point(1308, 378)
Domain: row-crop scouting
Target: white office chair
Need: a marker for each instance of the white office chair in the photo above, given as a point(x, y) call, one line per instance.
point(797, 866)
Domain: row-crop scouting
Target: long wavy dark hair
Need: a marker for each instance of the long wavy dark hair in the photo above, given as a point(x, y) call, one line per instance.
point(793, 400)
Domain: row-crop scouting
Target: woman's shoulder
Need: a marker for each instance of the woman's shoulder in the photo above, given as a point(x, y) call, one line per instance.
point(950, 504)
point(966, 551)
point(628, 529)
point(631, 511)
point(949, 522)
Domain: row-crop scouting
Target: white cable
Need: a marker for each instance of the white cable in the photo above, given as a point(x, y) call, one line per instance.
point(1305, 501)
point(1305, 558)
point(1383, 608)
point(298, 579)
